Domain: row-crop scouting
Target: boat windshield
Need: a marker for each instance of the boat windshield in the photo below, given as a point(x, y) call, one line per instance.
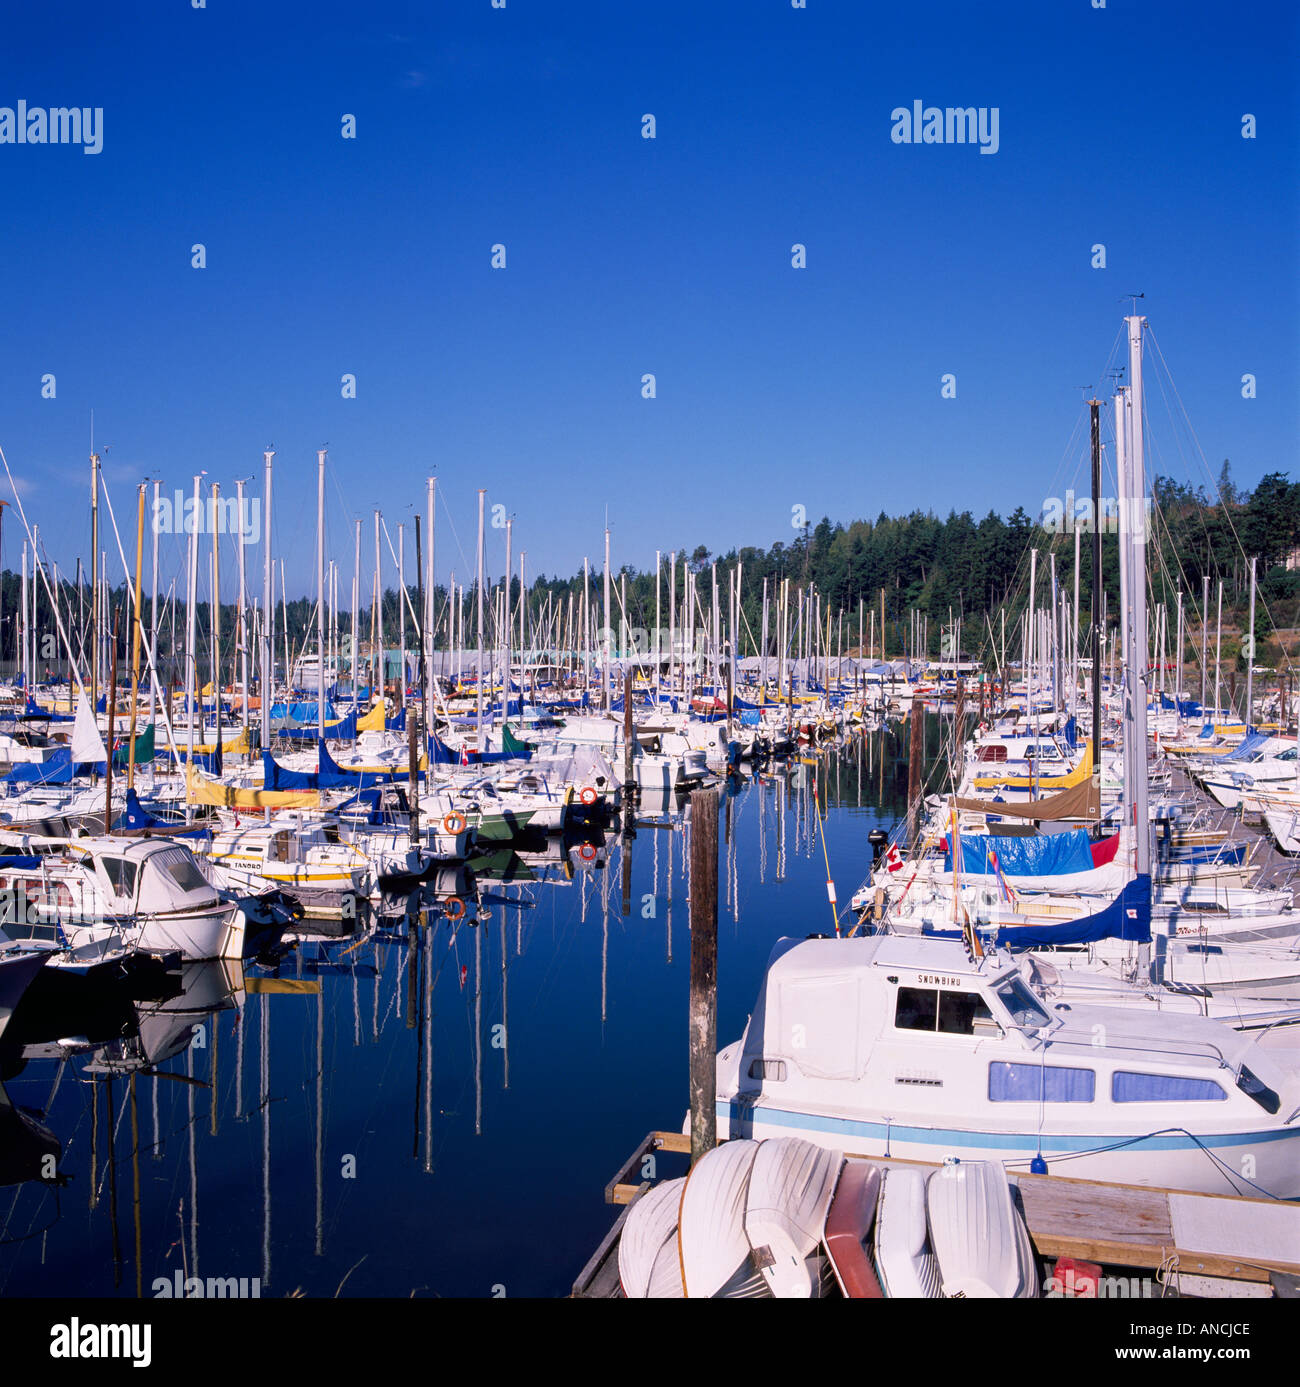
point(1020, 1002)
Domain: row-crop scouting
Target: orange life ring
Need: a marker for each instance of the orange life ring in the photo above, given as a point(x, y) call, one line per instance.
point(454, 908)
point(588, 796)
point(587, 852)
point(454, 822)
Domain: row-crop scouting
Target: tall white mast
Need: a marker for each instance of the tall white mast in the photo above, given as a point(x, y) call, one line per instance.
point(1136, 478)
point(320, 593)
point(267, 607)
point(191, 654)
point(478, 683)
point(241, 617)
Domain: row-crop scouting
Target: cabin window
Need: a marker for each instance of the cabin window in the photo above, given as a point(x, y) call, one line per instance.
point(1040, 1083)
point(767, 1069)
point(929, 1009)
point(1128, 1087)
point(1022, 1004)
point(1257, 1089)
point(121, 875)
point(185, 874)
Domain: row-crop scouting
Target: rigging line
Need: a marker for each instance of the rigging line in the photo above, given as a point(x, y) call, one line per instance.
point(1166, 372)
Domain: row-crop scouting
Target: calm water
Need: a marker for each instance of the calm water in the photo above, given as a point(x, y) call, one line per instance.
point(432, 1111)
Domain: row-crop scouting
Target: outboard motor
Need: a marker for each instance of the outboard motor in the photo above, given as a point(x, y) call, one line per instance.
point(877, 838)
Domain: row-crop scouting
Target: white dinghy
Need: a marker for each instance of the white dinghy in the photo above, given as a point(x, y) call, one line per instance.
point(979, 1236)
point(711, 1239)
point(648, 1266)
point(791, 1186)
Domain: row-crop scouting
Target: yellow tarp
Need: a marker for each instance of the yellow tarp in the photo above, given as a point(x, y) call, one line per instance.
point(1077, 776)
point(373, 721)
point(199, 790)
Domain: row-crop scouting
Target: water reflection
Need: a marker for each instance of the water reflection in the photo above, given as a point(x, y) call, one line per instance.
point(430, 1097)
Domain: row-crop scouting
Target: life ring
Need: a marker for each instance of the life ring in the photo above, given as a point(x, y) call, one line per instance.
point(589, 795)
point(454, 908)
point(587, 852)
point(454, 822)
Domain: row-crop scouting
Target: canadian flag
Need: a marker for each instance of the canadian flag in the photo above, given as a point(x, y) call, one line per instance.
point(893, 859)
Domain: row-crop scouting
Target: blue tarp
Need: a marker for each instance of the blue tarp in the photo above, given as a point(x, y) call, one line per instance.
point(302, 712)
point(56, 771)
point(1041, 854)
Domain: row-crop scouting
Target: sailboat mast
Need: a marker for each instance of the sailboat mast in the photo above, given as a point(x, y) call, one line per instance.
point(135, 639)
point(265, 680)
point(241, 616)
point(1136, 480)
point(320, 593)
point(478, 683)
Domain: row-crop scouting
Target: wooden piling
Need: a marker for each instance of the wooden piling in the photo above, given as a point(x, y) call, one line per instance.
point(704, 972)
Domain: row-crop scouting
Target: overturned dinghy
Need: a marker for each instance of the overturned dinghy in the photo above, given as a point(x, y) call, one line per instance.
point(905, 1260)
point(648, 1264)
point(711, 1238)
point(787, 1218)
point(791, 1185)
point(980, 1240)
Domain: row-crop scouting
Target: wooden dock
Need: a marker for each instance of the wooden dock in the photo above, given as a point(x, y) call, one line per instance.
point(1236, 1242)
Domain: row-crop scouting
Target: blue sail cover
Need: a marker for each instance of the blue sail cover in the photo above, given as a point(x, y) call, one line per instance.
point(32, 713)
point(1248, 745)
point(137, 817)
point(1189, 708)
point(56, 771)
point(332, 775)
point(369, 800)
point(1072, 732)
point(440, 754)
point(344, 731)
point(1041, 854)
point(1128, 916)
point(1199, 854)
point(397, 724)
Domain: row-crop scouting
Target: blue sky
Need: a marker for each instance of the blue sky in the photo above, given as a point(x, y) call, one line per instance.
point(776, 387)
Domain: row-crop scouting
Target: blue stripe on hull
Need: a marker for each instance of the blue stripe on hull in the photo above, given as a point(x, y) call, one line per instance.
point(1031, 1142)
